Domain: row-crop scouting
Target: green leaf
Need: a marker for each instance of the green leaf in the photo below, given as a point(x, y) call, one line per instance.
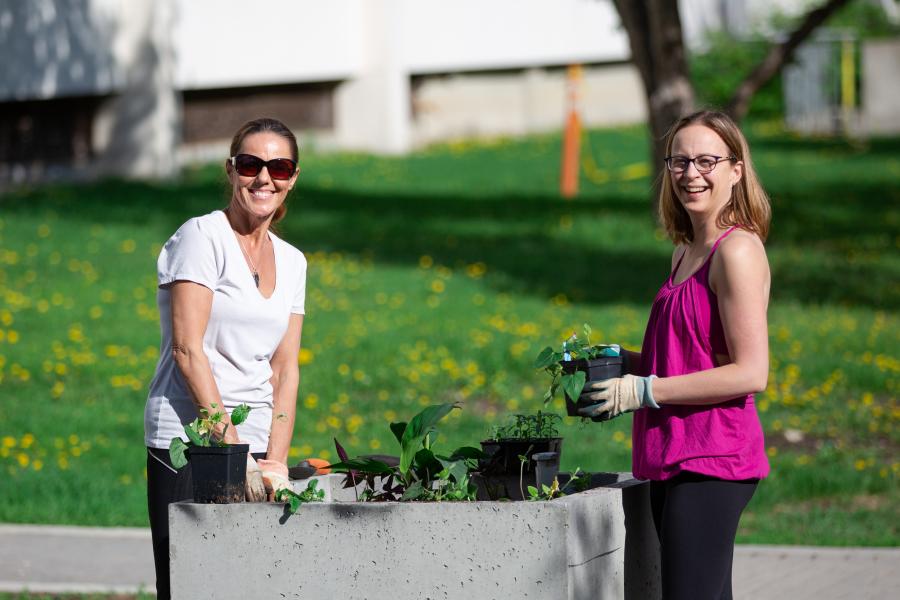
point(194, 435)
point(573, 383)
point(420, 426)
point(457, 470)
point(176, 452)
point(413, 492)
point(544, 359)
point(548, 395)
point(239, 414)
point(587, 333)
point(365, 465)
point(468, 452)
point(397, 429)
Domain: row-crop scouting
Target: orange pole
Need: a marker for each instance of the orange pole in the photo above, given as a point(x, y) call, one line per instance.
point(568, 181)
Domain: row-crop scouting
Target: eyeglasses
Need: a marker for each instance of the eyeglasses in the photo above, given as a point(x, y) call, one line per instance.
point(704, 163)
point(248, 165)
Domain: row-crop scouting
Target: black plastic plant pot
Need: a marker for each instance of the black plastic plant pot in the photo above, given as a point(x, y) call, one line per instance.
point(503, 455)
point(596, 369)
point(219, 473)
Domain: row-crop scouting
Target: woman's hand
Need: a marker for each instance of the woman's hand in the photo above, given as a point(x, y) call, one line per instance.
point(254, 489)
point(618, 395)
point(274, 476)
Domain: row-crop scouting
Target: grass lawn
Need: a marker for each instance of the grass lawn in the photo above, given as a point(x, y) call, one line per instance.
point(438, 277)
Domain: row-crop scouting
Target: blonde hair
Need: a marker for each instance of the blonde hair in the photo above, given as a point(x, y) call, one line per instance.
point(749, 204)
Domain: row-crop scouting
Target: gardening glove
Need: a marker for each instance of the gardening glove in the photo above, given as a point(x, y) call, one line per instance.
point(254, 489)
point(274, 476)
point(618, 395)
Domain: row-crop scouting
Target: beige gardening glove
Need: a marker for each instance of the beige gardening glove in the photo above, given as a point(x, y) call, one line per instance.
point(618, 395)
point(275, 477)
point(254, 489)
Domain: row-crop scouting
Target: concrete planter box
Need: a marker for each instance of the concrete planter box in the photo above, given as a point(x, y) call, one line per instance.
point(596, 544)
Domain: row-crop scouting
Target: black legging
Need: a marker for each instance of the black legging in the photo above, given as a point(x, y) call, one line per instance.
point(165, 485)
point(696, 519)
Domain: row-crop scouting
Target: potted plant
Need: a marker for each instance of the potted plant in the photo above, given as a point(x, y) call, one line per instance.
point(524, 436)
point(577, 363)
point(419, 473)
point(218, 469)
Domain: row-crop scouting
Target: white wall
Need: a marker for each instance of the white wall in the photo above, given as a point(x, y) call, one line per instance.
point(235, 43)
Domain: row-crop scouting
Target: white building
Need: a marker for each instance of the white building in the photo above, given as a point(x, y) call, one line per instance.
point(116, 84)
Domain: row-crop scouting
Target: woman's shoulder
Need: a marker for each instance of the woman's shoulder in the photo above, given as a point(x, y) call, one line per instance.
point(741, 253)
point(209, 225)
point(287, 249)
point(741, 244)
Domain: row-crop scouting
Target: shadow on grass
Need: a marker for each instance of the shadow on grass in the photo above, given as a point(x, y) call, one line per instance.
point(812, 236)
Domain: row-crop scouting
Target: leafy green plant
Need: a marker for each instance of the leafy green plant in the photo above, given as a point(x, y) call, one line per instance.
point(577, 483)
point(295, 500)
point(528, 427)
point(573, 348)
point(421, 473)
point(202, 432)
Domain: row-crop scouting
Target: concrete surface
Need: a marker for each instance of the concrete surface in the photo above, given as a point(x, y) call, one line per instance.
point(55, 559)
point(572, 548)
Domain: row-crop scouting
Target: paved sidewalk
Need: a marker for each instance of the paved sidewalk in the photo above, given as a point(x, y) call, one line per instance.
point(56, 559)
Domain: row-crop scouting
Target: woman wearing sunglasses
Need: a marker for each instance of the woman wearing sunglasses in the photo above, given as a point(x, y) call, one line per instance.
point(696, 434)
point(231, 303)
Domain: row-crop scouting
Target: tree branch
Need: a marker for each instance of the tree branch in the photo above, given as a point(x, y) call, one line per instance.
point(777, 57)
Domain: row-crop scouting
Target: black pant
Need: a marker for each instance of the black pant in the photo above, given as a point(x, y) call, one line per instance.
point(696, 519)
point(165, 485)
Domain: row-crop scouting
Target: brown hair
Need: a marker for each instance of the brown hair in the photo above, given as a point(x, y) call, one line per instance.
point(262, 125)
point(749, 203)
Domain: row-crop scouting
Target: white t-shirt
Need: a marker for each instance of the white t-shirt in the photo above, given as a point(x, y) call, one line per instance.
point(243, 332)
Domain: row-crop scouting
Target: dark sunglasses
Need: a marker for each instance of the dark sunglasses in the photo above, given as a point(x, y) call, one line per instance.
point(248, 165)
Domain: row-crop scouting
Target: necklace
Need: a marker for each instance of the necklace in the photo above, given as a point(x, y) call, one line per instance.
point(253, 268)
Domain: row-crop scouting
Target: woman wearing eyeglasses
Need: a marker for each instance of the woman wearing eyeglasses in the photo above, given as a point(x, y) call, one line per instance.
point(231, 303)
point(696, 434)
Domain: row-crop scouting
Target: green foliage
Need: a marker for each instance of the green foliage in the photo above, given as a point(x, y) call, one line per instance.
point(202, 432)
point(528, 427)
point(578, 482)
point(573, 348)
point(295, 500)
point(719, 68)
point(421, 473)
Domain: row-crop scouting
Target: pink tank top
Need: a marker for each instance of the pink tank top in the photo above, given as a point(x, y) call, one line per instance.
point(724, 440)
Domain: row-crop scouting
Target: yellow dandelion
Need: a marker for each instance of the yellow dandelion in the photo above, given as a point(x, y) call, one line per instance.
point(476, 270)
point(311, 401)
point(425, 261)
point(305, 357)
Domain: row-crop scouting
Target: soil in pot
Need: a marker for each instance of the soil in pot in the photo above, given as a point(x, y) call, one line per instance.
point(596, 369)
point(219, 473)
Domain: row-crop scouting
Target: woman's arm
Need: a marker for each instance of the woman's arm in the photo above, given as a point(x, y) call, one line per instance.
point(191, 305)
point(285, 382)
point(740, 278)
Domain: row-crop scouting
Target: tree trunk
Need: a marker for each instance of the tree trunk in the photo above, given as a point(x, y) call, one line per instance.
point(777, 57)
point(657, 49)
